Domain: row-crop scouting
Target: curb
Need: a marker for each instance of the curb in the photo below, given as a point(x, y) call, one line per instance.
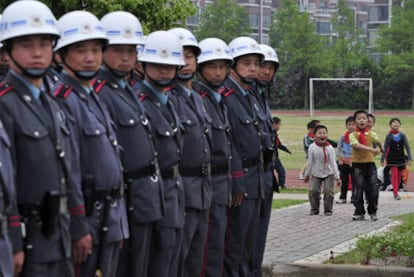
point(299, 270)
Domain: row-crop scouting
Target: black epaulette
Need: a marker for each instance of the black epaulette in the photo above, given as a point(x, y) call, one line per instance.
point(225, 91)
point(5, 88)
point(63, 91)
point(98, 84)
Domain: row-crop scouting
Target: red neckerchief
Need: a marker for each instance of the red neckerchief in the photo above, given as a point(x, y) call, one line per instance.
point(325, 156)
point(362, 139)
point(277, 140)
point(346, 136)
point(311, 134)
point(394, 132)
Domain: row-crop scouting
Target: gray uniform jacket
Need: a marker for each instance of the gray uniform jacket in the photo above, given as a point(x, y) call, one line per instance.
point(9, 218)
point(247, 152)
point(195, 160)
point(96, 164)
point(167, 133)
point(139, 153)
point(221, 147)
point(39, 146)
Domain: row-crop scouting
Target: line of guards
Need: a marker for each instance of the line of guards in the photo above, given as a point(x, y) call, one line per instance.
point(107, 170)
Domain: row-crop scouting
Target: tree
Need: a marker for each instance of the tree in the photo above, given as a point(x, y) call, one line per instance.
point(223, 19)
point(397, 41)
point(301, 54)
point(347, 49)
point(153, 14)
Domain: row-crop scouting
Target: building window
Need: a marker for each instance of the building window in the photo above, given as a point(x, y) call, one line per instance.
point(254, 20)
point(323, 27)
point(267, 21)
point(378, 13)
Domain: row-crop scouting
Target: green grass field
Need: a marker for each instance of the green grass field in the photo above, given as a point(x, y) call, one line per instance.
point(294, 128)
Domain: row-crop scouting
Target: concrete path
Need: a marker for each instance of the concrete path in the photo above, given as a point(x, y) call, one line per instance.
point(296, 237)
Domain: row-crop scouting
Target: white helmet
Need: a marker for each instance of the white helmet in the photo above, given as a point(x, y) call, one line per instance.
point(269, 54)
point(241, 46)
point(77, 26)
point(27, 17)
point(213, 49)
point(186, 38)
point(162, 47)
point(122, 28)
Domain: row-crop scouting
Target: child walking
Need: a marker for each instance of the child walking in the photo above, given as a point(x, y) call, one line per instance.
point(321, 165)
point(364, 172)
point(344, 153)
point(395, 145)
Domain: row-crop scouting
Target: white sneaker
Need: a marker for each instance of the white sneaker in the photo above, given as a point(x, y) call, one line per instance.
point(301, 177)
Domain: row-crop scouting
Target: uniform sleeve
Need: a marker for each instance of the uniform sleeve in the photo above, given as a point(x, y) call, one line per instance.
point(79, 226)
point(15, 231)
point(237, 173)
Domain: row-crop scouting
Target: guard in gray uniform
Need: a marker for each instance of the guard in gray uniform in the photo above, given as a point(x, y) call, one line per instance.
point(39, 140)
point(144, 193)
point(266, 73)
point(247, 156)
point(213, 67)
point(9, 217)
point(162, 56)
point(195, 164)
point(96, 237)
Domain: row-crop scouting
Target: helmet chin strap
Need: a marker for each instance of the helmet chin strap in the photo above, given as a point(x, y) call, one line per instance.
point(212, 84)
point(248, 81)
point(162, 83)
point(34, 73)
point(118, 73)
point(84, 75)
point(185, 77)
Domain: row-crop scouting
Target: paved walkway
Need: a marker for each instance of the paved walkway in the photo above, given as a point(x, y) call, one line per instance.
point(295, 236)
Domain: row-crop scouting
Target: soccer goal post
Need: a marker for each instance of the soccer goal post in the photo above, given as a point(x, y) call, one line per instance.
point(311, 92)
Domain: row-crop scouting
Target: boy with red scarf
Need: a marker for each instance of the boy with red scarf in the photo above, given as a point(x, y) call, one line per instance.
point(394, 157)
point(321, 165)
point(364, 173)
point(344, 153)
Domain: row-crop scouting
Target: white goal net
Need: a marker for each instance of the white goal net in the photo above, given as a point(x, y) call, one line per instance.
point(312, 94)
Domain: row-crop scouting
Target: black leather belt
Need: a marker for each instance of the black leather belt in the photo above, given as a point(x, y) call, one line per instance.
point(170, 173)
point(149, 170)
point(202, 171)
point(114, 193)
point(252, 162)
point(220, 169)
point(38, 209)
point(4, 224)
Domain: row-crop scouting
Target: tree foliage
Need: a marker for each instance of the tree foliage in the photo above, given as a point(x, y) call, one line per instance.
point(398, 41)
point(346, 46)
point(153, 14)
point(300, 53)
point(223, 19)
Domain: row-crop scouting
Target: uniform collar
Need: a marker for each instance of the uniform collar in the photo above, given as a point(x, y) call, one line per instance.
point(33, 89)
point(162, 97)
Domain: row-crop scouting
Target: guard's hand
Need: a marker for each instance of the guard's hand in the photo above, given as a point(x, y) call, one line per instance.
point(306, 179)
point(81, 249)
point(238, 199)
point(18, 259)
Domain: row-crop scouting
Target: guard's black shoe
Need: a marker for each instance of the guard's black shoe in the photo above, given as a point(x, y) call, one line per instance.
point(358, 217)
